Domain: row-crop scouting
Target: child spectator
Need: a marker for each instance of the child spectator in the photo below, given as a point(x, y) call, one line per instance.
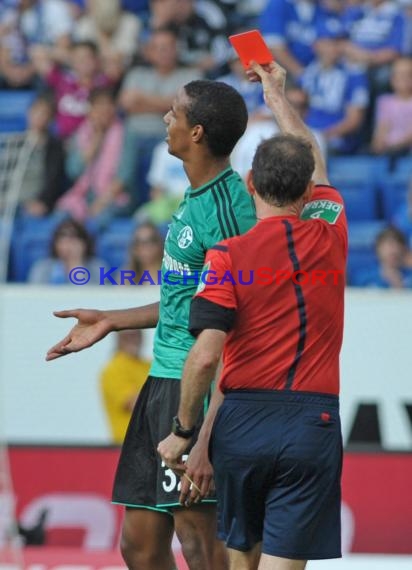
point(393, 127)
point(71, 247)
point(72, 87)
point(393, 269)
point(43, 180)
point(121, 381)
point(101, 159)
point(338, 93)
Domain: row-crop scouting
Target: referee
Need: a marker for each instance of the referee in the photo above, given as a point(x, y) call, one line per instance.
point(276, 445)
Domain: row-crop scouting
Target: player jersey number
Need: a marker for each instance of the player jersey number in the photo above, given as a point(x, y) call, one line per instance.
point(171, 481)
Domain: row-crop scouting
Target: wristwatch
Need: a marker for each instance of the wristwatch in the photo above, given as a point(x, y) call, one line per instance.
point(180, 431)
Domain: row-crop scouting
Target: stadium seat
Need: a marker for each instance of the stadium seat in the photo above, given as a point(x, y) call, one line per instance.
point(14, 106)
point(393, 196)
point(356, 168)
point(361, 200)
point(30, 242)
point(357, 178)
point(403, 221)
point(394, 186)
point(136, 6)
point(362, 236)
point(113, 245)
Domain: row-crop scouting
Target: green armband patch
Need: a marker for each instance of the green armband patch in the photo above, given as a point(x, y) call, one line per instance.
point(322, 210)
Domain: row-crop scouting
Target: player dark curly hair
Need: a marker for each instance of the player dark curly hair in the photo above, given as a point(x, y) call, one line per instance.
point(282, 169)
point(221, 111)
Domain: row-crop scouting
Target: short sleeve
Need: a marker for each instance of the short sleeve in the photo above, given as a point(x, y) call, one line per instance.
point(217, 283)
point(327, 204)
point(214, 305)
point(358, 92)
point(382, 113)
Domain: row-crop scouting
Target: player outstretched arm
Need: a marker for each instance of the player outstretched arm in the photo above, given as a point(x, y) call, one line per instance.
point(93, 325)
point(273, 76)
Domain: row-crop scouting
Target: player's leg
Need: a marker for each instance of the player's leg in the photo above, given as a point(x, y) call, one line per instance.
point(147, 532)
point(196, 530)
point(268, 562)
point(244, 560)
point(146, 540)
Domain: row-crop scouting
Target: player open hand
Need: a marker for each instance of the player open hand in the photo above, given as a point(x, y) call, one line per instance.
point(91, 327)
point(271, 75)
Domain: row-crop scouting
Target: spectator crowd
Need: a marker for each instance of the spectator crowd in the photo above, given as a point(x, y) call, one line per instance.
point(103, 73)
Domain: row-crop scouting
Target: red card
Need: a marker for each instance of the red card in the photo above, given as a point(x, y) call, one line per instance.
point(251, 46)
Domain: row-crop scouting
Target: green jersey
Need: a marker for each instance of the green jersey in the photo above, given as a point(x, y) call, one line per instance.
point(220, 209)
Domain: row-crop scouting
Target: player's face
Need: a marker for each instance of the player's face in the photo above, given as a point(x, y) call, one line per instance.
point(178, 129)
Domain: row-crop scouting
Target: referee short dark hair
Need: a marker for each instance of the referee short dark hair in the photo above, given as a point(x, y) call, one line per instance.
point(282, 169)
point(221, 111)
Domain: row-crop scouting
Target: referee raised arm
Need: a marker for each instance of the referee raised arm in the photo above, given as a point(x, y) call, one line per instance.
point(275, 309)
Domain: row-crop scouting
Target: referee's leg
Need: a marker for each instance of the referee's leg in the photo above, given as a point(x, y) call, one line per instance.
point(253, 560)
point(240, 560)
point(268, 562)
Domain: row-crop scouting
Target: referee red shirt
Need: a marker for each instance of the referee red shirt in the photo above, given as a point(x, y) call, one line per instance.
point(285, 328)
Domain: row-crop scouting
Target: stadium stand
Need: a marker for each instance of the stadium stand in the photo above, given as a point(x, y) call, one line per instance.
point(395, 185)
point(30, 242)
point(13, 110)
point(362, 236)
point(113, 244)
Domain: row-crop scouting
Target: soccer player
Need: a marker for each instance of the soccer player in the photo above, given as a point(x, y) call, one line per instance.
point(204, 124)
point(276, 441)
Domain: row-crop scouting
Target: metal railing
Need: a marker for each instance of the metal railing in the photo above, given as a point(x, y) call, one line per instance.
point(15, 153)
